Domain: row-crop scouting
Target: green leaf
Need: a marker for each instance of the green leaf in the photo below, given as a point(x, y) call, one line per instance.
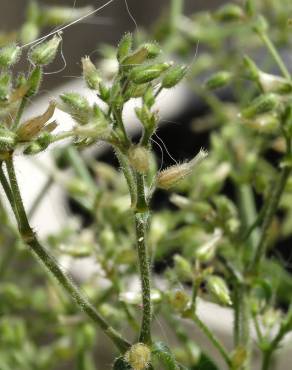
point(163, 353)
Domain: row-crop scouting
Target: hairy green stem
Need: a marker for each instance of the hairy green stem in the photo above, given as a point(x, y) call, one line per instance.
point(29, 237)
point(248, 212)
point(129, 176)
point(141, 220)
point(274, 53)
point(270, 212)
point(212, 338)
point(176, 8)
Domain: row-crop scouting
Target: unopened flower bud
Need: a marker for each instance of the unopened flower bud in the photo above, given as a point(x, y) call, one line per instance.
point(144, 74)
point(39, 145)
point(34, 81)
point(58, 15)
point(149, 98)
point(7, 139)
point(90, 73)
point(173, 76)
point(139, 158)
point(261, 24)
point(5, 86)
point(219, 79)
point(206, 252)
point(125, 46)
point(29, 32)
point(182, 267)
point(251, 69)
point(276, 84)
point(271, 317)
point(77, 106)
point(264, 123)
point(147, 118)
point(218, 288)
point(104, 92)
point(172, 175)
point(138, 356)
point(263, 104)
point(9, 55)
point(229, 12)
point(45, 52)
point(180, 201)
point(144, 52)
point(135, 91)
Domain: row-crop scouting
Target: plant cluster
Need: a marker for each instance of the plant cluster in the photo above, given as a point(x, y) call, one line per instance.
point(219, 241)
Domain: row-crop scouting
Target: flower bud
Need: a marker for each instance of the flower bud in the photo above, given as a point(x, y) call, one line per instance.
point(139, 158)
point(172, 175)
point(182, 267)
point(39, 145)
point(261, 24)
point(34, 81)
point(147, 118)
point(252, 71)
point(149, 98)
point(29, 32)
point(125, 46)
point(34, 126)
point(77, 106)
point(206, 252)
point(135, 91)
point(229, 12)
point(138, 356)
point(59, 15)
point(249, 8)
point(219, 290)
point(5, 86)
point(276, 84)
point(104, 92)
point(173, 76)
point(45, 53)
point(90, 73)
point(9, 55)
point(263, 104)
point(146, 51)
point(219, 79)
point(7, 139)
point(180, 201)
point(144, 74)
point(265, 123)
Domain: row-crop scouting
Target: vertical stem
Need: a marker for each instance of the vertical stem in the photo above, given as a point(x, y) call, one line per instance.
point(248, 211)
point(216, 343)
point(273, 51)
point(270, 212)
point(144, 266)
point(176, 9)
point(128, 173)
